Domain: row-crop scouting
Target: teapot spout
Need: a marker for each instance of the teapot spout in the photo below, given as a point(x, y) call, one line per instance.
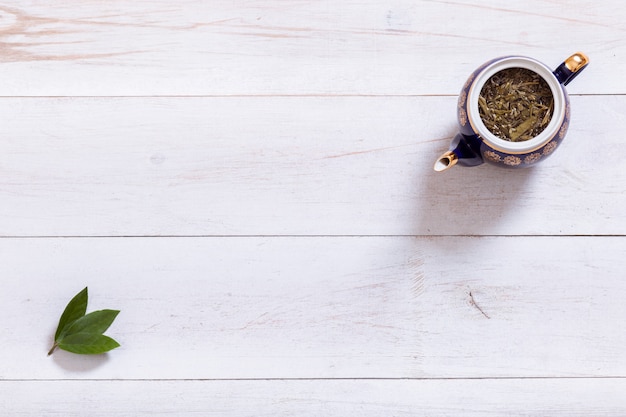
point(460, 152)
point(446, 161)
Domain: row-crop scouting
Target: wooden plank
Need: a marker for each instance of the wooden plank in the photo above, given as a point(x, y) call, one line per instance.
point(291, 166)
point(190, 47)
point(321, 307)
point(433, 398)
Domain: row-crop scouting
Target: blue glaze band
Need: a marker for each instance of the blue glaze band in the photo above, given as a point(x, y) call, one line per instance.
point(564, 75)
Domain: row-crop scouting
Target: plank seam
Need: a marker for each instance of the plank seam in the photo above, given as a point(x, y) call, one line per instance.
point(505, 378)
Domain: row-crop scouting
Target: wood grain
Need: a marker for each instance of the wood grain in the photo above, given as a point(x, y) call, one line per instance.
point(352, 47)
point(433, 398)
point(323, 307)
point(291, 166)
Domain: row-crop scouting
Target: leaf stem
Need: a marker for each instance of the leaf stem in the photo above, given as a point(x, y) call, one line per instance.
point(52, 349)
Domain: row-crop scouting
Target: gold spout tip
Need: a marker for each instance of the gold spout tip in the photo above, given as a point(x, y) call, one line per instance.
point(446, 161)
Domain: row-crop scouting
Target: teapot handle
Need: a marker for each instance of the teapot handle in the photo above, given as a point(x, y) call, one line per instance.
point(571, 67)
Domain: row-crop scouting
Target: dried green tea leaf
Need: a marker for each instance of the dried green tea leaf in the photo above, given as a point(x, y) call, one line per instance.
point(516, 132)
point(516, 104)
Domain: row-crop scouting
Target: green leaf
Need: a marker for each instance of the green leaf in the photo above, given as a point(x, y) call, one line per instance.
point(96, 322)
point(87, 343)
point(82, 333)
point(75, 309)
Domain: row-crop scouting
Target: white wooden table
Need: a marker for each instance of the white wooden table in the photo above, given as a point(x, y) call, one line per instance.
point(251, 184)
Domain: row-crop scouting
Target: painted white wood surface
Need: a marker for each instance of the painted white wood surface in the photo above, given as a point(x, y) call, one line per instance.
point(369, 398)
point(292, 166)
point(320, 307)
point(223, 47)
point(251, 184)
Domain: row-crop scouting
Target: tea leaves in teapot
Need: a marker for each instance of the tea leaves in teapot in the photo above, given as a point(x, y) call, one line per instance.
point(516, 104)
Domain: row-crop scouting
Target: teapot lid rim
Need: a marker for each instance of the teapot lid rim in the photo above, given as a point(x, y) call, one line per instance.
point(529, 145)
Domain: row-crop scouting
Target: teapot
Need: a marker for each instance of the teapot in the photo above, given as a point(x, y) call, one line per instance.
point(476, 143)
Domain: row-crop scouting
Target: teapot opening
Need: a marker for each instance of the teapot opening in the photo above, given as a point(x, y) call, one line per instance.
point(446, 161)
point(506, 146)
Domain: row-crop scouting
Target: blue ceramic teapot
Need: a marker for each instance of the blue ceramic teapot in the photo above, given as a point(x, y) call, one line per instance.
point(476, 144)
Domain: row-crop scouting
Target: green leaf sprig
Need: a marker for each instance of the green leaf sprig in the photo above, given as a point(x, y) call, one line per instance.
point(83, 333)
